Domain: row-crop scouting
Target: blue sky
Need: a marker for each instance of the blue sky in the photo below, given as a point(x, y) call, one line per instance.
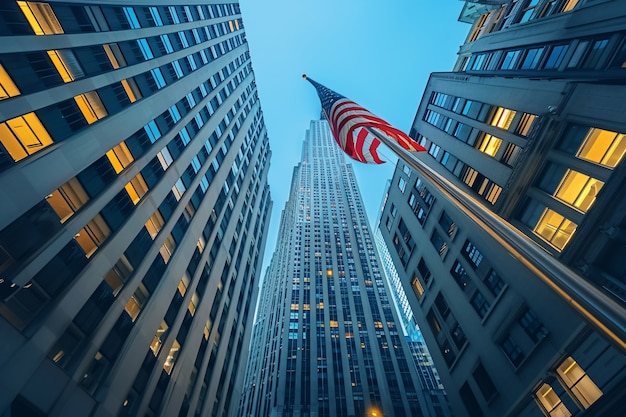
point(376, 53)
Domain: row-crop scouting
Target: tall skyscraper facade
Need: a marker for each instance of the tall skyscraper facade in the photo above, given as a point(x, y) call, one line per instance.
point(133, 175)
point(530, 123)
point(326, 339)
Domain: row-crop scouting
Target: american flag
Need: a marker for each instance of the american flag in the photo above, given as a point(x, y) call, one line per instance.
point(352, 126)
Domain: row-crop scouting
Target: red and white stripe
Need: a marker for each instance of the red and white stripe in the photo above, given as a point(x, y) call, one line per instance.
point(348, 123)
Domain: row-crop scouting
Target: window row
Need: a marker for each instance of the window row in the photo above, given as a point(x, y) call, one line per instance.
point(607, 52)
point(41, 18)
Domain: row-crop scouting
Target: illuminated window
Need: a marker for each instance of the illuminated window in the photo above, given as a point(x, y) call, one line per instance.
point(132, 90)
point(207, 329)
point(137, 301)
point(578, 382)
point(193, 303)
point(120, 157)
point(183, 284)
point(489, 144)
point(201, 244)
point(603, 146)
point(23, 136)
point(417, 287)
point(502, 118)
point(66, 64)
point(551, 402)
point(136, 188)
point(171, 357)
point(41, 18)
point(154, 224)
point(7, 87)
point(93, 235)
point(167, 249)
point(578, 189)
point(68, 198)
point(91, 106)
point(569, 5)
point(555, 228)
point(159, 338)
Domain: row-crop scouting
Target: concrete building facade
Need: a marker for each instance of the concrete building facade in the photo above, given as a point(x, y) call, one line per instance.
point(133, 171)
point(530, 123)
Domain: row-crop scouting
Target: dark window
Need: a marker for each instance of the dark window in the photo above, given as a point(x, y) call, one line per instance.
point(512, 350)
point(460, 275)
point(480, 304)
point(494, 283)
point(484, 382)
point(532, 326)
point(470, 402)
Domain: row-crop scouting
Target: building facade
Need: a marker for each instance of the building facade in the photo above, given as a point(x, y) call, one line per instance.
point(326, 339)
point(530, 123)
point(133, 167)
point(430, 382)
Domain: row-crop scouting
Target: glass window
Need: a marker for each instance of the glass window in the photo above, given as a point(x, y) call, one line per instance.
point(472, 254)
point(569, 5)
point(91, 106)
point(154, 224)
point(556, 56)
point(484, 382)
point(511, 154)
point(480, 304)
point(578, 382)
point(550, 225)
point(532, 326)
point(66, 64)
point(93, 235)
point(41, 18)
point(595, 53)
point(512, 351)
point(136, 188)
point(131, 89)
point(502, 117)
point(159, 338)
point(68, 198)
point(603, 146)
point(494, 283)
point(120, 157)
point(137, 301)
point(510, 60)
point(489, 144)
point(532, 58)
point(551, 402)
point(576, 57)
point(115, 55)
point(525, 124)
point(171, 357)
point(578, 190)
point(7, 87)
point(23, 136)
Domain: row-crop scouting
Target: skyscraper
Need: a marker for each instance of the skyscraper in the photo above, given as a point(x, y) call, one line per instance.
point(530, 123)
point(133, 170)
point(326, 339)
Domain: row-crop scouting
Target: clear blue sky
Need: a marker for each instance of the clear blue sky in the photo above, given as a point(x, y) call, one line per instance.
point(377, 53)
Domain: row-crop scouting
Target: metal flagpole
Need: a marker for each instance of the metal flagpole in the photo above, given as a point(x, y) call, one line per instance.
point(597, 308)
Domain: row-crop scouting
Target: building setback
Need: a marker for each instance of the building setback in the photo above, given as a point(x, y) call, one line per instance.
point(326, 339)
point(133, 175)
point(531, 124)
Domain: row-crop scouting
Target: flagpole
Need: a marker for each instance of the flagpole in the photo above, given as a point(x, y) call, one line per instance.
point(597, 308)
